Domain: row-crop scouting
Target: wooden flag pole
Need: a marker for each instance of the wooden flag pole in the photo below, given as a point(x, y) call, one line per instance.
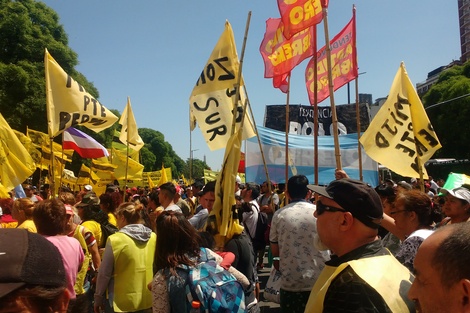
point(127, 151)
point(334, 118)
point(287, 137)
point(247, 104)
point(239, 74)
point(51, 173)
point(315, 111)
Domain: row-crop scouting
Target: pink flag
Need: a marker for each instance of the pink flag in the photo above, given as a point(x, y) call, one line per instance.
point(83, 144)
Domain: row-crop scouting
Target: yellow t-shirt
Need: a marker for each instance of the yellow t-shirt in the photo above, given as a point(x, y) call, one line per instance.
point(95, 228)
point(112, 219)
point(29, 226)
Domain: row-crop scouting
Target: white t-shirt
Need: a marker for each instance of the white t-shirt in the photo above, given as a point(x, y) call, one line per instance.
point(293, 228)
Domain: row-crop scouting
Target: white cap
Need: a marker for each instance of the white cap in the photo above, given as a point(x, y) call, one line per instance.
point(461, 193)
point(238, 180)
point(88, 188)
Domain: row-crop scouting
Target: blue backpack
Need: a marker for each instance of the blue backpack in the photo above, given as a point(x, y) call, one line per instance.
point(216, 288)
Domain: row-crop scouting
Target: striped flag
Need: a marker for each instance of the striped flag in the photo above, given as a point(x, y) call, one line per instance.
point(83, 144)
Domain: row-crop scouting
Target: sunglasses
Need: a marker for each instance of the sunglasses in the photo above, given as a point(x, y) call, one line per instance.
point(321, 208)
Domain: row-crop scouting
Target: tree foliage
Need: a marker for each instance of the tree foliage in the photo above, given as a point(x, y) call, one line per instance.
point(451, 118)
point(27, 28)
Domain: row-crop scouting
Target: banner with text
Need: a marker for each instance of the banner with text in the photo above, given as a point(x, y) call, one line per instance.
point(298, 15)
point(212, 99)
point(301, 120)
point(343, 64)
point(400, 136)
point(69, 104)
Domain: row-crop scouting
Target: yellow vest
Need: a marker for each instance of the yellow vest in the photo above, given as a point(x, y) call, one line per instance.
point(133, 270)
point(78, 234)
point(383, 273)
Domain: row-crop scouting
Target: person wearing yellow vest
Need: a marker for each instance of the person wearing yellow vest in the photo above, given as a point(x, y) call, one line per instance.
point(127, 265)
point(362, 276)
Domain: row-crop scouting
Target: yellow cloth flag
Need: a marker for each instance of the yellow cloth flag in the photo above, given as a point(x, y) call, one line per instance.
point(210, 175)
point(129, 132)
point(212, 99)
point(68, 103)
point(150, 182)
point(118, 145)
point(86, 176)
point(163, 177)
point(16, 164)
point(134, 170)
point(227, 226)
point(400, 136)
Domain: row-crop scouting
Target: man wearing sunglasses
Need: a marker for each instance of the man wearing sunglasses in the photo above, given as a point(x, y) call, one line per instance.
point(362, 276)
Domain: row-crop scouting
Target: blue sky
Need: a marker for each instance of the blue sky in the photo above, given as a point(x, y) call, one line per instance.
point(154, 51)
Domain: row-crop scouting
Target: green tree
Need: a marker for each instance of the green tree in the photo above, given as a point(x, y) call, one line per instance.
point(450, 119)
point(28, 27)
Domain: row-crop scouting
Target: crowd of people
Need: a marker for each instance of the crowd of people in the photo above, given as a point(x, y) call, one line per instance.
point(345, 247)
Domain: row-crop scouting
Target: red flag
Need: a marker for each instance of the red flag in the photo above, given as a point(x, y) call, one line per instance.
point(343, 63)
point(281, 82)
point(280, 55)
point(299, 15)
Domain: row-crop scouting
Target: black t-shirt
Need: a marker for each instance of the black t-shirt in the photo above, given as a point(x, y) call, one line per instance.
point(241, 247)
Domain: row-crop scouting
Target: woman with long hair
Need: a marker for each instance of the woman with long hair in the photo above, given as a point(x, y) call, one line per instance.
point(127, 265)
point(178, 250)
point(414, 217)
point(22, 211)
point(108, 206)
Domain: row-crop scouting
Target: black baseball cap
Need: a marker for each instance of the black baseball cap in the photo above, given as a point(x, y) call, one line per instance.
point(356, 197)
point(28, 259)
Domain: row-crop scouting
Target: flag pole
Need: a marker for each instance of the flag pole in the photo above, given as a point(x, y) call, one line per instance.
point(334, 118)
point(287, 137)
point(127, 150)
point(239, 76)
point(51, 174)
point(61, 172)
point(247, 104)
point(315, 111)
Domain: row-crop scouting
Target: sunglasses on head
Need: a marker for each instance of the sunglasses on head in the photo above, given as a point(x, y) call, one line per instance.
point(321, 208)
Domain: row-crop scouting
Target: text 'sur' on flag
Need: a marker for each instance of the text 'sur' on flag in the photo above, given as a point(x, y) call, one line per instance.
point(281, 55)
point(299, 15)
point(400, 136)
point(212, 99)
point(343, 63)
point(83, 144)
point(69, 104)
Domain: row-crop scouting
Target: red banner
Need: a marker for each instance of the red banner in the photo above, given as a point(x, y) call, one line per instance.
point(343, 63)
point(280, 55)
point(298, 15)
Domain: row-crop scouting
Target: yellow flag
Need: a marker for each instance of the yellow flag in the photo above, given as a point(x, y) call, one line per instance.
point(87, 176)
point(16, 163)
point(400, 136)
point(118, 145)
point(129, 132)
point(163, 178)
point(134, 169)
point(225, 193)
point(97, 165)
point(212, 99)
point(210, 175)
point(68, 103)
point(150, 182)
